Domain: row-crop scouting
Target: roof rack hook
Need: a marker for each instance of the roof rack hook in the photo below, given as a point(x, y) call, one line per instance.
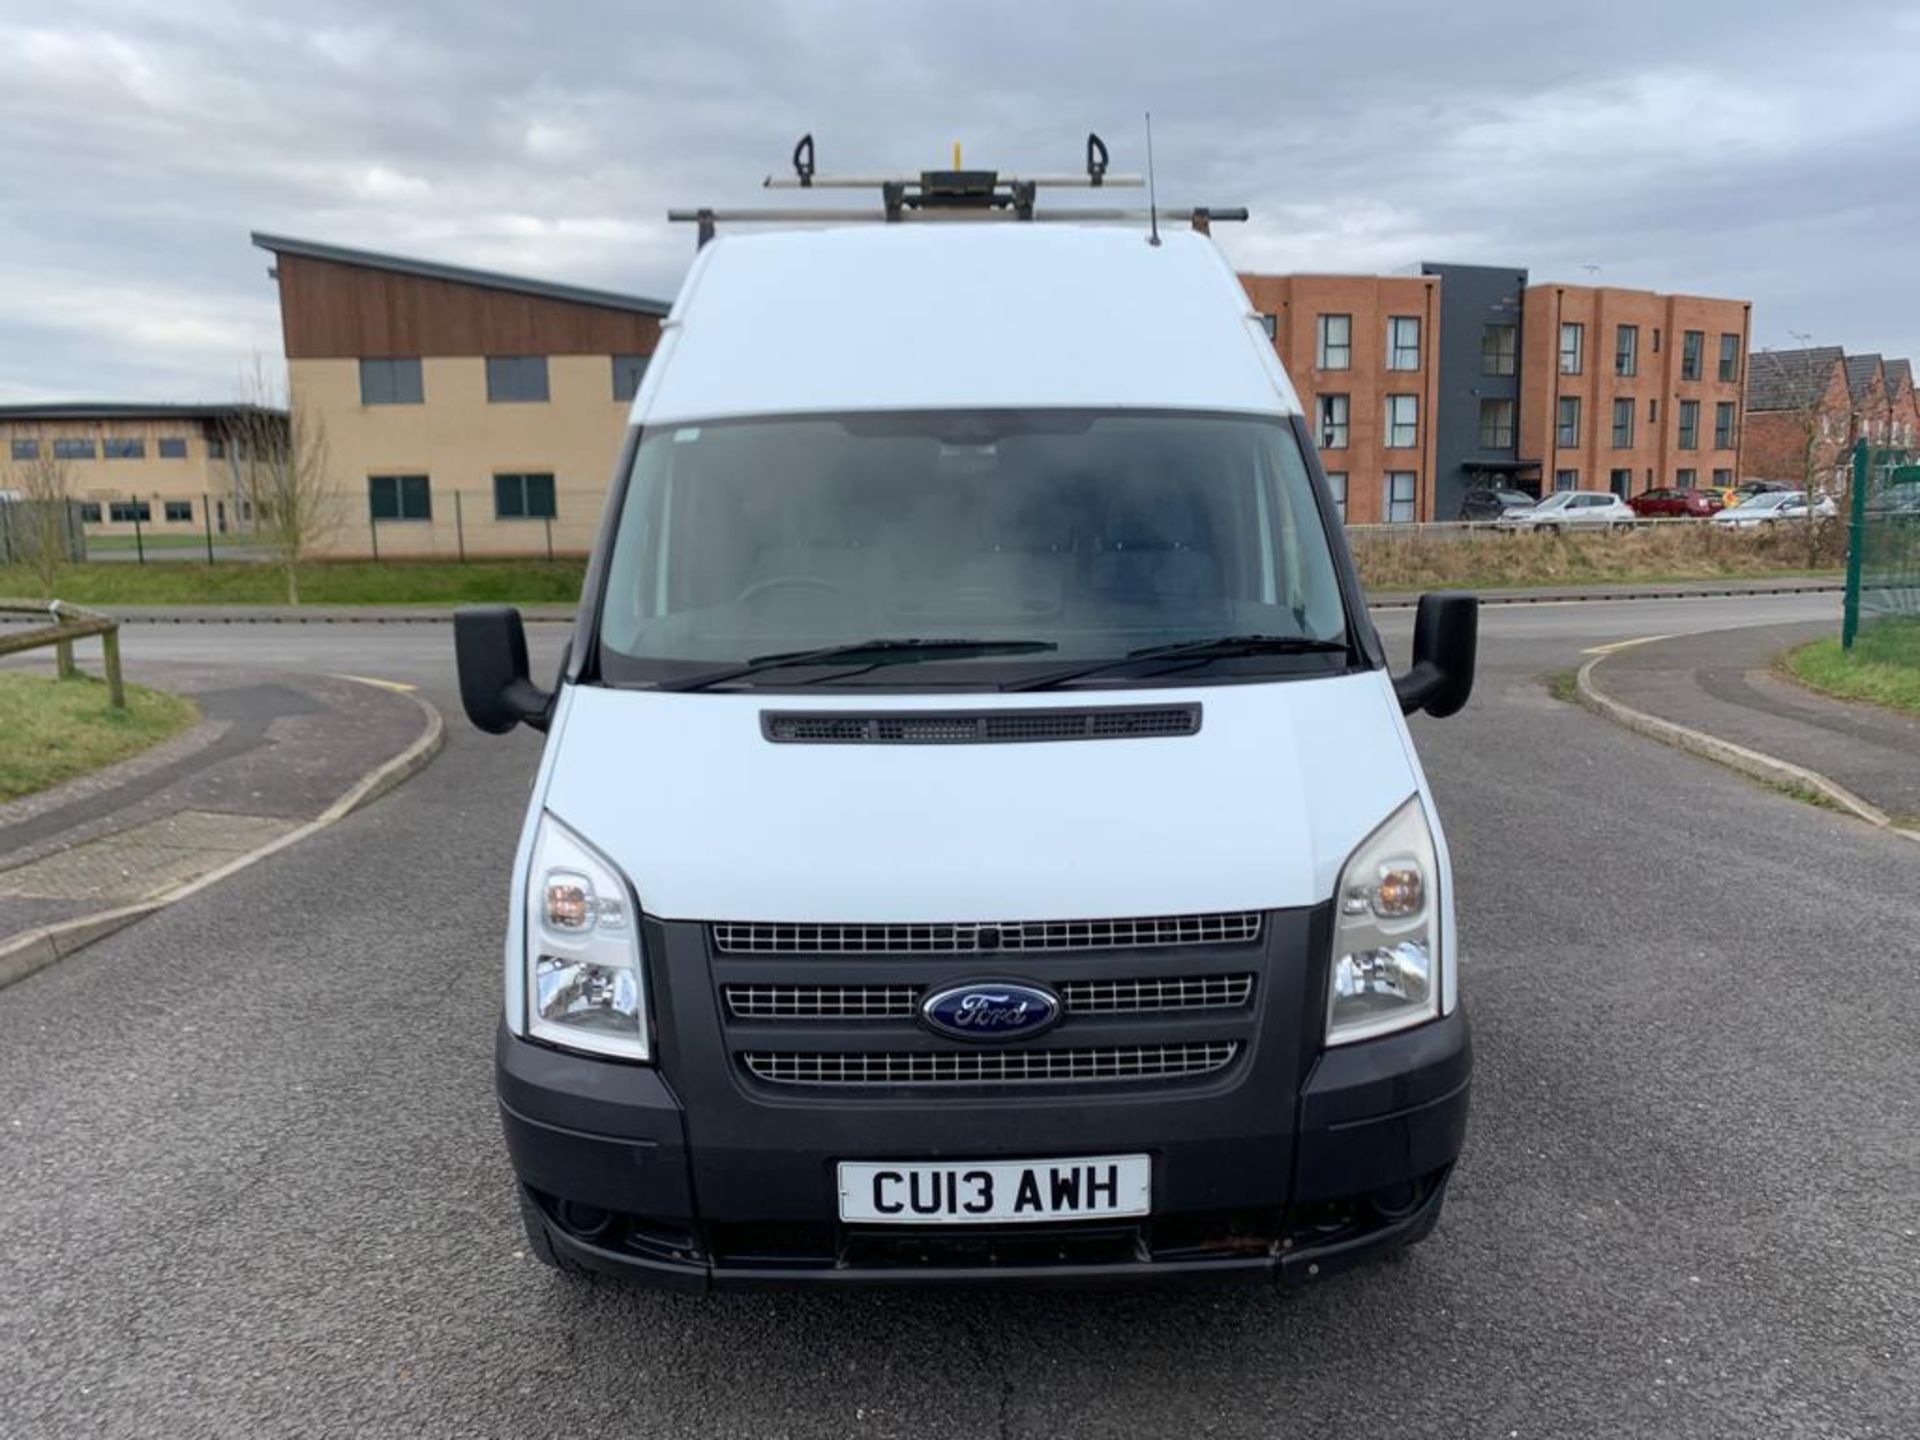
point(803, 160)
point(1096, 159)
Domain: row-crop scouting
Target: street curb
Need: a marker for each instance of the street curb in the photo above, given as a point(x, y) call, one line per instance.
point(1754, 763)
point(31, 950)
point(1408, 601)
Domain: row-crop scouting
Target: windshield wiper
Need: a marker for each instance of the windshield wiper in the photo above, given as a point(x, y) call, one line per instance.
point(1217, 647)
point(865, 652)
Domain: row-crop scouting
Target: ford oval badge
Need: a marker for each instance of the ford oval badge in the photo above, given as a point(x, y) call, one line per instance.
point(998, 1010)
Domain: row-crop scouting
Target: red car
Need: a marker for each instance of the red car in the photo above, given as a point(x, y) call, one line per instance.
point(1668, 502)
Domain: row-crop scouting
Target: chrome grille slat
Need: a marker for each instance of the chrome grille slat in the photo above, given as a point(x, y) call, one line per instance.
point(991, 1067)
point(978, 937)
point(898, 1002)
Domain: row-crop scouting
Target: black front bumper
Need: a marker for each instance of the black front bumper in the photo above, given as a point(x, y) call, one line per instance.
point(1264, 1176)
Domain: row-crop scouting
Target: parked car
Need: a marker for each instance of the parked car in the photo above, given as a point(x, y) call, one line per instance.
point(812, 956)
point(1671, 502)
point(1573, 510)
point(1489, 504)
point(1770, 507)
point(1752, 486)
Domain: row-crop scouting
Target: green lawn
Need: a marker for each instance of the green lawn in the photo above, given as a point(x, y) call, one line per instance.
point(1884, 666)
point(57, 729)
point(343, 583)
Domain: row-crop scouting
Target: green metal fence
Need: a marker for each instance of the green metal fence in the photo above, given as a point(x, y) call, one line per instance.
point(1883, 540)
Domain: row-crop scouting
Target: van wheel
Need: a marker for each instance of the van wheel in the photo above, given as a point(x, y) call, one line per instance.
point(540, 1243)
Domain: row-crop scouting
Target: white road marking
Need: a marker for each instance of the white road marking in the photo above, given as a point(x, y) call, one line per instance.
point(1623, 644)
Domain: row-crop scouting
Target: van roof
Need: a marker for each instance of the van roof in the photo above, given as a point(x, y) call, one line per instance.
point(961, 316)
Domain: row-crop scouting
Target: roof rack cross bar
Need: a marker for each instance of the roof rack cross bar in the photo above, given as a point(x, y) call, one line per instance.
point(954, 194)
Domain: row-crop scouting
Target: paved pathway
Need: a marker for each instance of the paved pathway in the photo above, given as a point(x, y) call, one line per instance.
point(1722, 682)
point(273, 751)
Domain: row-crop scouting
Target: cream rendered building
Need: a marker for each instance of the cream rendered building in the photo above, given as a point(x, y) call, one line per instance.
point(172, 471)
point(464, 414)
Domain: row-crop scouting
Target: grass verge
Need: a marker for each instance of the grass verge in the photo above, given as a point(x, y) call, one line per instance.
point(1563, 685)
point(526, 582)
point(57, 729)
point(1407, 558)
point(1883, 667)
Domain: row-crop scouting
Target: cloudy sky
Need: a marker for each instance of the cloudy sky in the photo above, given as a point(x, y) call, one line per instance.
point(1766, 149)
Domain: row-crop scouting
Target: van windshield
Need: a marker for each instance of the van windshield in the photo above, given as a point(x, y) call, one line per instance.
point(1085, 534)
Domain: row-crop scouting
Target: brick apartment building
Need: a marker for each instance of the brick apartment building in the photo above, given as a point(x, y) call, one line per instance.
point(1807, 407)
point(170, 469)
point(1360, 350)
point(1492, 380)
point(465, 412)
point(1624, 390)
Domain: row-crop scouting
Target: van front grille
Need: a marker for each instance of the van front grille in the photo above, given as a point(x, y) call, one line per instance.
point(991, 1067)
point(976, 727)
point(899, 1002)
point(766, 938)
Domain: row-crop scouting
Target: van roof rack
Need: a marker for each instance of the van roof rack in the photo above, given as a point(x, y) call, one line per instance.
point(955, 194)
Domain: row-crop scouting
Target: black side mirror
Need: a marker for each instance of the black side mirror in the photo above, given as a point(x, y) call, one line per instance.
point(490, 646)
point(1446, 637)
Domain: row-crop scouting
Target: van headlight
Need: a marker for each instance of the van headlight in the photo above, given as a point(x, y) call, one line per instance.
point(586, 987)
point(1386, 932)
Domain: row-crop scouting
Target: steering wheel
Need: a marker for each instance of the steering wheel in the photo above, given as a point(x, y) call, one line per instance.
point(775, 582)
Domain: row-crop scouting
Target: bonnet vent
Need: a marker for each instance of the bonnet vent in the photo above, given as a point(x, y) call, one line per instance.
point(976, 727)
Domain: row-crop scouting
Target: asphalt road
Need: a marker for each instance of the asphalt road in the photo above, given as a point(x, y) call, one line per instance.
point(251, 1182)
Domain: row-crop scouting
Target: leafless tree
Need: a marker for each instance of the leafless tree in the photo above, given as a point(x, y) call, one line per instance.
point(1820, 443)
point(43, 533)
point(280, 458)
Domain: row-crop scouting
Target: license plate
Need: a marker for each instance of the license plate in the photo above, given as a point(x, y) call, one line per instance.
point(994, 1192)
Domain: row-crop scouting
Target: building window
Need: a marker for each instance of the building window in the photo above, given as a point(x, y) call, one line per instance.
point(1396, 497)
point(1653, 412)
point(1573, 342)
point(89, 512)
point(1337, 483)
point(391, 382)
point(399, 497)
point(1729, 359)
point(26, 449)
point(1335, 347)
point(515, 379)
point(1689, 424)
point(1496, 424)
point(73, 450)
point(1691, 344)
point(1566, 423)
point(1626, 350)
point(119, 447)
point(1566, 479)
point(1620, 482)
point(1498, 347)
point(125, 512)
point(1403, 342)
point(1723, 479)
point(1623, 424)
point(173, 448)
point(1686, 479)
point(216, 448)
point(523, 497)
point(178, 510)
point(627, 370)
point(1723, 425)
point(1403, 422)
point(1333, 422)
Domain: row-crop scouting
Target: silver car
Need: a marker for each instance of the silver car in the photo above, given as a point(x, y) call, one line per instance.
point(1573, 510)
point(1770, 507)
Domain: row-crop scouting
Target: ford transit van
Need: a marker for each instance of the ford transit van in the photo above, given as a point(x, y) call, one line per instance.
point(977, 838)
